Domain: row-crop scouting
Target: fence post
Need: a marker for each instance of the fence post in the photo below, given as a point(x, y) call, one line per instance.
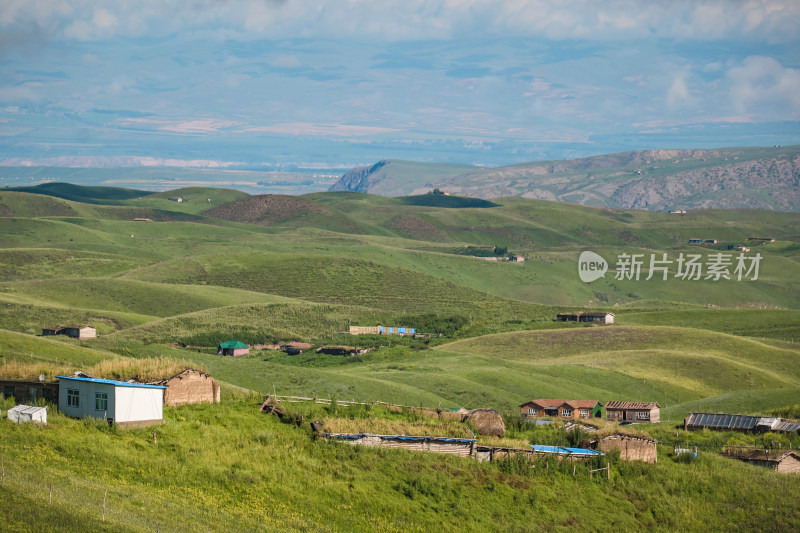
point(3, 468)
point(104, 505)
point(608, 470)
point(51, 494)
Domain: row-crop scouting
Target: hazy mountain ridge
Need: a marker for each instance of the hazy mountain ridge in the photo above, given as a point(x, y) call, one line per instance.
point(728, 178)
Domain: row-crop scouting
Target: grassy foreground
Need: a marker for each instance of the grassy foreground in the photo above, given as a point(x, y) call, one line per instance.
point(229, 468)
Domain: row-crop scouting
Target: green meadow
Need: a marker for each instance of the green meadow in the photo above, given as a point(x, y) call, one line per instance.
point(225, 266)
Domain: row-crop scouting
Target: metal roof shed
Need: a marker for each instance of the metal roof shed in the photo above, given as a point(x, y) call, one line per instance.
point(124, 403)
point(28, 413)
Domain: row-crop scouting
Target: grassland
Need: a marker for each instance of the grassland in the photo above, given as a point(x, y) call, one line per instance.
point(166, 292)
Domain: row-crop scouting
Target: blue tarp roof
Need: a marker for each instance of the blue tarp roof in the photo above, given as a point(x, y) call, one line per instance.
point(562, 450)
point(112, 382)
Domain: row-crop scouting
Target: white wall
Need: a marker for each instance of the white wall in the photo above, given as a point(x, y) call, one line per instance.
point(133, 404)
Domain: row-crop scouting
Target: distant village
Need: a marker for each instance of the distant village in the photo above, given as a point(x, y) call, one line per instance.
point(129, 404)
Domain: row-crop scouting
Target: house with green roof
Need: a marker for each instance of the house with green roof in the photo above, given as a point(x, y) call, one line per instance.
point(234, 348)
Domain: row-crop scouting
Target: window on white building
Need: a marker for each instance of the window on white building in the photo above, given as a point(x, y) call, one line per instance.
point(644, 415)
point(101, 401)
point(73, 398)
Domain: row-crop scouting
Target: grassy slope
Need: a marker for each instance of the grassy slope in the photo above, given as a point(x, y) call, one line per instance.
point(390, 275)
point(680, 368)
point(235, 469)
point(140, 297)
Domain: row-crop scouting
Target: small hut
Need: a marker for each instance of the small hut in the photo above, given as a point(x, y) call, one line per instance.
point(233, 348)
point(787, 463)
point(28, 413)
point(631, 447)
point(486, 422)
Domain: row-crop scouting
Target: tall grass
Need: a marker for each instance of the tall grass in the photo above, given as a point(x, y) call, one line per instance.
point(119, 368)
point(229, 468)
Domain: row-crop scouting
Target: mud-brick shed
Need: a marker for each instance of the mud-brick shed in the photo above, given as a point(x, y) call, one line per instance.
point(189, 386)
point(233, 348)
point(124, 403)
point(788, 462)
point(28, 413)
point(631, 447)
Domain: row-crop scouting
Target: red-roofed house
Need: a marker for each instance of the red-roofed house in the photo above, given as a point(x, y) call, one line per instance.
point(569, 409)
point(642, 412)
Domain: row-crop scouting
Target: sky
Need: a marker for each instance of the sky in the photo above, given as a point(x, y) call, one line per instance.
point(281, 84)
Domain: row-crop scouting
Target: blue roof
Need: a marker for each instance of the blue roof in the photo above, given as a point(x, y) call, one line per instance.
point(562, 450)
point(113, 382)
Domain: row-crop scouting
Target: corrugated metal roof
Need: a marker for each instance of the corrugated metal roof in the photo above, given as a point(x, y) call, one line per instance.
point(631, 405)
point(113, 382)
point(788, 426)
point(722, 421)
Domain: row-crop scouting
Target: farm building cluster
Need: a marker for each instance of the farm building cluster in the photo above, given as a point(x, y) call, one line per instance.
point(124, 403)
point(382, 330)
point(624, 412)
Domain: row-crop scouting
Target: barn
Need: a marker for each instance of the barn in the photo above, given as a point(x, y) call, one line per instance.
point(121, 402)
point(631, 447)
point(28, 413)
point(189, 386)
point(233, 348)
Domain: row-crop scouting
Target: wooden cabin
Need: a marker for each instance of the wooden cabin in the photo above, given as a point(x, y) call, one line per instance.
point(566, 409)
point(633, 412)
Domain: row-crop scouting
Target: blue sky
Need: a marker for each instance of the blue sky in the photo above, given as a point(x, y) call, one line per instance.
point(334, 84)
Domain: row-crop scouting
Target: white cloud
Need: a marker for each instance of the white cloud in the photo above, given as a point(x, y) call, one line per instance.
point(678, 94)
point(115, 161)
point(387, 20)
point(303, 128)
point(762, 86)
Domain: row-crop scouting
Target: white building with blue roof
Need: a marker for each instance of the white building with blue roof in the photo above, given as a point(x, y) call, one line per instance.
point(123, 403)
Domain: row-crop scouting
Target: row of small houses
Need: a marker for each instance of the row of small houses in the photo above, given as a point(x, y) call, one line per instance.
point(631, 412)
point(630, 447)
point(125, 403)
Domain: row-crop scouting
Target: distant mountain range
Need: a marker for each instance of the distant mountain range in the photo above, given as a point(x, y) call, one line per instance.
point(725, 178)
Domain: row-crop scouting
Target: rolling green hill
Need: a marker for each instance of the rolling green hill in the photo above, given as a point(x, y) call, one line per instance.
point(82, 193)
point(276, 269)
